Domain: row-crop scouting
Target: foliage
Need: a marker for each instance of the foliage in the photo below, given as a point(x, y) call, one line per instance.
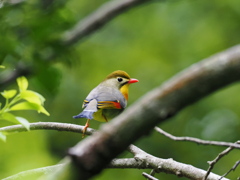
point(23, 100)
point(151, 42)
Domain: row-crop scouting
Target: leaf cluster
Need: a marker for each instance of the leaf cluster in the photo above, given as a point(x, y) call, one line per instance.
point(23, 99)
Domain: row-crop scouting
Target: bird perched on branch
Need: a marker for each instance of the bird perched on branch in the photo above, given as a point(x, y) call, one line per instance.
point(108, 99)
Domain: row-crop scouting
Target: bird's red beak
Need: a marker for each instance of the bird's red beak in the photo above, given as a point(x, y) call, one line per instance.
point(132, 81)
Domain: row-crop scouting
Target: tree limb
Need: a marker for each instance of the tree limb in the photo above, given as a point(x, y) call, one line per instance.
point(98, 19)
point(141, 160)
point(83, 28)
point(170, 166)
point(94, 153)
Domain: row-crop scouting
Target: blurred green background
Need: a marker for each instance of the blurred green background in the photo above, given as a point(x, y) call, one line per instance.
point(152, 42)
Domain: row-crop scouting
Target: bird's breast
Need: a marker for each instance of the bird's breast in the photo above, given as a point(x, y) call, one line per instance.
point(104, 115)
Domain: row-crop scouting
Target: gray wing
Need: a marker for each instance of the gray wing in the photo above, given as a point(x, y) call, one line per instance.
point(103, 93)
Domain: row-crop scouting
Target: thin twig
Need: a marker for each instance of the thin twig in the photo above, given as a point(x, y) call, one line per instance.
point(148, 176)
point(153, 172)
point(213, 162)
point(232, 169)
point(196, 140)
point(47, 125)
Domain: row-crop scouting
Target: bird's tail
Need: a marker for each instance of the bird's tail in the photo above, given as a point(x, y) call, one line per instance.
point(88, 112)
point(85, 114)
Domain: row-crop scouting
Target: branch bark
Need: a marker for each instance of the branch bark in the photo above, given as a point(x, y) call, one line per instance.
point(94, 153)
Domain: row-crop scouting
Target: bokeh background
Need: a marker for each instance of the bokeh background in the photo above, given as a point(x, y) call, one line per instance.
point(152, 42)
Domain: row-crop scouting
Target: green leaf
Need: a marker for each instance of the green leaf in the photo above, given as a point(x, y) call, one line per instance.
point(32, 97)
point(9, 94)
point(24, 122)
point(29, 106)
point(9, 117)
point(44, 111)
point(1, 66)
point(16, 120)
point(22, 83)
point(3, 137)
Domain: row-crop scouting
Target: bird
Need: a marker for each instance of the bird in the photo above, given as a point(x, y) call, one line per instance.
point(108, 99)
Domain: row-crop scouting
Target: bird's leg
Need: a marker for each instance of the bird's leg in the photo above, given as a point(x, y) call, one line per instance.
point(85, 128)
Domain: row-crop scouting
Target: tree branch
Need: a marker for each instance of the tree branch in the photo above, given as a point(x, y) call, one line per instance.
point(98, 19)
point(148, 176)
point(169, 165)
point(220, 155)
point(232, 169)
point(79, 129)
point(94, 153)
point(196, 140)
point(47, 125)
point(83, 28)
point(141, 160)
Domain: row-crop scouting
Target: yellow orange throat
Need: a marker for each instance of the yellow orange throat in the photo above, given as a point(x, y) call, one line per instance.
point(124, 90)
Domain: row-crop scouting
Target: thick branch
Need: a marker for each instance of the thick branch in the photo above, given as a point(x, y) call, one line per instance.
point(94, 153)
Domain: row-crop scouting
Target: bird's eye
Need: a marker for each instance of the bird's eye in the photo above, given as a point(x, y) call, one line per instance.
point(119, 79)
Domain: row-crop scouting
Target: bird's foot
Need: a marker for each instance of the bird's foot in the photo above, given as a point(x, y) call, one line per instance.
point(85, 128)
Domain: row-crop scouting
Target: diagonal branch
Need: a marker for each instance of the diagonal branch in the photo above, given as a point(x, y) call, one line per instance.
point(232, 169)
point(98, 19)
point(213, 162)
point(148, 176)
point(82, 29)
point(94, 153)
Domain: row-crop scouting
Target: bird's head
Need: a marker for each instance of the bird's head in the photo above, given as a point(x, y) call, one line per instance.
point(120, 80)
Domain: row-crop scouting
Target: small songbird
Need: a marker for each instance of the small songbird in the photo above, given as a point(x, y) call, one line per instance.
point(108, 99)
